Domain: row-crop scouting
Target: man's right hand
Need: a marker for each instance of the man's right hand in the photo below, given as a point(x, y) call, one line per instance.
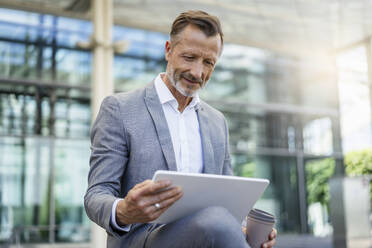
point(139, 204)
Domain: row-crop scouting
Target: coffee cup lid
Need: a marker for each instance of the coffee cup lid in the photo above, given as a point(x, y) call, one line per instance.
point(261, 215)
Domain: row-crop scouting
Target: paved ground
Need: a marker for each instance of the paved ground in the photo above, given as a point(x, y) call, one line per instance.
point(284, 241)
point(303, 241)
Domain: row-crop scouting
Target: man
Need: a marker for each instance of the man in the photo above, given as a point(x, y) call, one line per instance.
point(163, 126)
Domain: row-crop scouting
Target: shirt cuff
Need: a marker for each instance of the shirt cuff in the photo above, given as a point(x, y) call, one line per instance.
point(114, 224)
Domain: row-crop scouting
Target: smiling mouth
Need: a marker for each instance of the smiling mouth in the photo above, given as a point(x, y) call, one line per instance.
point(190, 81)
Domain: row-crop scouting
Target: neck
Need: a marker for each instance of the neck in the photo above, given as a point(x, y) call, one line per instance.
point(182, 100)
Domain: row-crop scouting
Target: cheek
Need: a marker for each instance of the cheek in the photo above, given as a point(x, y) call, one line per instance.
point(208, 74)
point(177, 65)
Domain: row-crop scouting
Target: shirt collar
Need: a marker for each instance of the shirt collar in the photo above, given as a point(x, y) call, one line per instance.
point(165, 95)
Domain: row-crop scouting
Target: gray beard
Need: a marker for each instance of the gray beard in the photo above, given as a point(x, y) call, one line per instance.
point(179, 88)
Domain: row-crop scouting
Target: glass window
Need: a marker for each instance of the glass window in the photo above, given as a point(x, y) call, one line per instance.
point(145, 44)
point(318, 137)
point(254, 76)
point(318, 173)
point(355, 99)
point(25, 168)
point(73, 67)
point(318, 81)
point(133, 73)
point(18, 60)
point(25, 189)
point(20, 17)
point(260, 129)
point(17, 114)
point(72, 223)
point(281, 196)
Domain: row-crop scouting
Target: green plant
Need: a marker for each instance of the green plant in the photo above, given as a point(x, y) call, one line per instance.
point(359, 163)
point(317, 175)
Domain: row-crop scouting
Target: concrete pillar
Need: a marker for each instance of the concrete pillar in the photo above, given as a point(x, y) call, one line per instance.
point(337, 206)
point(368, 47)
point(102, 73)
point(102, 77)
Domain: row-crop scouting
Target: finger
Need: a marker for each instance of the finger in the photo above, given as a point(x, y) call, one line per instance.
point(135, 194)
point(273, 234)
point(164, 195)
point(151, 212)
point(140, 185)
point(244, 230)
point(164, 206)
point(169, 202)
point(269, 244)
point(154, 187)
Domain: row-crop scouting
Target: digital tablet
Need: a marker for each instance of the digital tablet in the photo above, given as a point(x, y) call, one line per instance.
point(236, 194)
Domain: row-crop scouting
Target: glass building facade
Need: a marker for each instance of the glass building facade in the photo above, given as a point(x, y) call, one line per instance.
point(282, 114)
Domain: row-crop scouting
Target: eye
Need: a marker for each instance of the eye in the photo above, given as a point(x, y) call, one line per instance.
point(209, 63)
point(188, 57)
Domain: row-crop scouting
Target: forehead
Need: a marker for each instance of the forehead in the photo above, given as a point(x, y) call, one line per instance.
point(193, 40)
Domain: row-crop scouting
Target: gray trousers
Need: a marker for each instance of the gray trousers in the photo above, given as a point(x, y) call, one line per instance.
point(210, 227)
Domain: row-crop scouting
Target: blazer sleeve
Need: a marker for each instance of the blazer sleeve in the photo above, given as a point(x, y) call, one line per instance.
point(109, 156)
point(227, 170)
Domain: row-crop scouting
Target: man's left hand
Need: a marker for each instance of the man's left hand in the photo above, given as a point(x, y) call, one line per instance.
point(272, 238)
point(270, 242)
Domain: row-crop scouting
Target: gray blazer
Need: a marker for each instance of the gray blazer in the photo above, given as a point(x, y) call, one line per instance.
point(130, 140)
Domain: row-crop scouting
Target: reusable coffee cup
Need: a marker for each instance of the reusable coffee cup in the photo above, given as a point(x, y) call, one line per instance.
point(259, 227)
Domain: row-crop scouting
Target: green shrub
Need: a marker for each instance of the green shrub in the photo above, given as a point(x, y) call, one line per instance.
point(318, 173)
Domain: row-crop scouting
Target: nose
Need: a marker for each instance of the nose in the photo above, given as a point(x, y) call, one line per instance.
point(196, 70)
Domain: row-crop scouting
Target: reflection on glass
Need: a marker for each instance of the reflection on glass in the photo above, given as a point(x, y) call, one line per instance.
point(69, 188)
point(253, 75)
point(281, 196)
point(18, 116)
point(318, 173)
point(250, 75)
point(250, 131)
point(24, 189)
point(133, 73)
point(318, 137)
point(18, 60)
point(143, 44)
point(25, 192)
point(73, 67)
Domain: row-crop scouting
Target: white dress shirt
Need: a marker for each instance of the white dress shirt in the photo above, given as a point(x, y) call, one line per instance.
point(185, 133)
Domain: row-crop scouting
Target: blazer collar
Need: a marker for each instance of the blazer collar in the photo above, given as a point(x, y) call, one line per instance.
point(208, 154)
point(156, 111)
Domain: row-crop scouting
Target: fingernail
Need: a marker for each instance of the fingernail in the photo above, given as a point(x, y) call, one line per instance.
point(265, 246)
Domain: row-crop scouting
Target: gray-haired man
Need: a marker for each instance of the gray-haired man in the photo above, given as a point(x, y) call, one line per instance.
point(163, 126)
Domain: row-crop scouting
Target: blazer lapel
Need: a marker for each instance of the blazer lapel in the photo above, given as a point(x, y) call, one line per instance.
point(156, 111)
point(208, 155)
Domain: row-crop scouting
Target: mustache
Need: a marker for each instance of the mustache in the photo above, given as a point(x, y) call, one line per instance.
point(190, 77)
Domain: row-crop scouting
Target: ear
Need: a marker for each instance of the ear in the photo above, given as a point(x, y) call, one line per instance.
point(168, 49)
